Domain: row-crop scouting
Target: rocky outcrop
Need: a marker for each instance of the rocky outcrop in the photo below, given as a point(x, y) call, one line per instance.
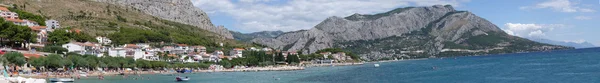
point(181, 11)
point(412, 31)
point(249, 36)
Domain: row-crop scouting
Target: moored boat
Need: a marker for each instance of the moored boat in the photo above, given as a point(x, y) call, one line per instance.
point(182, 78)
point(61, 80)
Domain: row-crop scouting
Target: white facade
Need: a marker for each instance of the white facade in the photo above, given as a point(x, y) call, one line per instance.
point(52, 24)
point(30, 23)
point(72, 47)
point(236, 53)
point(103, 40)
point(116, 52)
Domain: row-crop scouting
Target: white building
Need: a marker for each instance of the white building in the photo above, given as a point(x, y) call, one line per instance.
point(266, 49)
point(117, 52)
point(103, 40)
point(7, 14)
point(83, 48)
point(74, 47)
point(52, 24)
point(30, 23)
point(236, 52)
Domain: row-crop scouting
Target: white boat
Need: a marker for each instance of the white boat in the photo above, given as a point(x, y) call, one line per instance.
point(182, 78)
point(376, 65)
point(62, 80)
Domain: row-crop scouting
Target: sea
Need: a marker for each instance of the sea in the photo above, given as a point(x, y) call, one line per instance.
point(565, 66)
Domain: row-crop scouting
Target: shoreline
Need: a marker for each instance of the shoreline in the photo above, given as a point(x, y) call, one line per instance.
point(95, 74)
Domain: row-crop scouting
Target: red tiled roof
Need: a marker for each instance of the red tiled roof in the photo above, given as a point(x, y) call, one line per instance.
point(238, 49)
point(76, 30)
point(131, 46)
point(32, 55)
point(37, 28)
point(4, 9)
point(15, 20)
point(181, 44)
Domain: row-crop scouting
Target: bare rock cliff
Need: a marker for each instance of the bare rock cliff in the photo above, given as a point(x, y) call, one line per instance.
point(181, 11)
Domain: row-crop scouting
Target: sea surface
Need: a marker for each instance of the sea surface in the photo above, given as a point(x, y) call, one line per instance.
point(572, 66)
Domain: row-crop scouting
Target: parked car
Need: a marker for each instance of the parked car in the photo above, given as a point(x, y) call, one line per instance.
point(2, 52)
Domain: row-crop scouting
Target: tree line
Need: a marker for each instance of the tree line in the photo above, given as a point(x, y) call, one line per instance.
point(90, 62)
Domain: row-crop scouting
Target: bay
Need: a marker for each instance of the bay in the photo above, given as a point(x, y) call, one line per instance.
point(578, 66)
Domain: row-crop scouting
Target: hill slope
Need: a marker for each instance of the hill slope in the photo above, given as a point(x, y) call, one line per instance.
point(412, 32)
point(103, 19)
point(564, 43)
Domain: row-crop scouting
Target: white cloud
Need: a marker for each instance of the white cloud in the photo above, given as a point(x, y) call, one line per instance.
point(583, 17)
point(261, 15)
point(560, 6)
point(530, 30)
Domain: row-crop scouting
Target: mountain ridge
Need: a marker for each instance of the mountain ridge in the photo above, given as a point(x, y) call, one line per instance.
point(439, 29)
point(174, 10)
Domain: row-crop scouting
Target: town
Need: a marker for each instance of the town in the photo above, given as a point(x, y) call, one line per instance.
point(52, 48)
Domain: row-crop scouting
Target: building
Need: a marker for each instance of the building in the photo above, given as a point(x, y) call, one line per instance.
point(199, 49)
point(103, 40)
point(52, 24)
point(116, 52)
point(267, 49)
point(340, 56)
point(83, 48)
point(236, 52)
point(16, 21)
point(42, 34)
point(325, 54)
point(7, 14)
point(30, 23)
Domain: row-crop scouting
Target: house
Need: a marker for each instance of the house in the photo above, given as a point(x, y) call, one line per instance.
point(42, 34)
point(74, 47)
point(199, 49)
point(187, 58)
point(16, 21)
point(102, 40)
point(221, 55)
point(182, 46)
point(52, 24)
point(236, 52)
point(325, 54)
point(267, 49)
point(116, 52)
point(7, 14)
point(82, 48)
point(253, 49)
point(30, 23)
point(340, 56)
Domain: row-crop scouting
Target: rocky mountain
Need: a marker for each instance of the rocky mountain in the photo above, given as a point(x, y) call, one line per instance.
point(411, 32)
point(249, 36)
point(182, 11)
point(107, 18)
point(564, 43)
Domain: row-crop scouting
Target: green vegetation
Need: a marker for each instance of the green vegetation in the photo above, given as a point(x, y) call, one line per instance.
point(54, 49)
point(129, 35)
point(61, 36)
point(54, 61)
point(15, 58)
point(29, 16)
point(15, 34)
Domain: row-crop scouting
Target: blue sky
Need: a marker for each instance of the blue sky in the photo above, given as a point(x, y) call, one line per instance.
point(561, 20)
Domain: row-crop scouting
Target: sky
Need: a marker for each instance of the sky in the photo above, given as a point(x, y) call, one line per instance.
point(561, 20)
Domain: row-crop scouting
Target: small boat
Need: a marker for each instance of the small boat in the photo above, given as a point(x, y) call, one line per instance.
point(61, 80)
point(376, 65)
point(182, 78)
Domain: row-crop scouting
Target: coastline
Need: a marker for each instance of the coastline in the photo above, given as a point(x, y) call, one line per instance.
point(248, 69)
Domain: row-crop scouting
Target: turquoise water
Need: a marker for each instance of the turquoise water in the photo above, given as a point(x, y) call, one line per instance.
point(582, 65)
